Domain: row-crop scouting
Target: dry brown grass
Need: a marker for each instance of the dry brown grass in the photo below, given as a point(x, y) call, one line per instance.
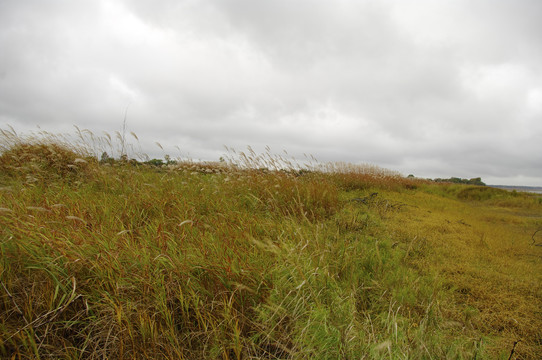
point(40, 158)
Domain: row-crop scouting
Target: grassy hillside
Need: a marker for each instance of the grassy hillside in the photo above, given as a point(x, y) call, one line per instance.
point(208, 261)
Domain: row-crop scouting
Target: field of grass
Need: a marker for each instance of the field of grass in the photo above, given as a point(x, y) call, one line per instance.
point(243, 260)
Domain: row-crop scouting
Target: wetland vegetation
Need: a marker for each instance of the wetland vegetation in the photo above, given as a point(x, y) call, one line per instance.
point(256, 258)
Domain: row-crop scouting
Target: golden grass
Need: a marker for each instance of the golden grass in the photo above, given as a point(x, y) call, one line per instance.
point(258, 257)
point(486, 256)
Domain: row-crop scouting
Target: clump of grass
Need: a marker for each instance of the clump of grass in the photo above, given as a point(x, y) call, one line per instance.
point(362, 177)
point(482, 193)
point(43, 157)
point(40, 162)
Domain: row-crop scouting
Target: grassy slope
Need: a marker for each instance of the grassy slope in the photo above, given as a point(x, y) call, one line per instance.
point(135, 262)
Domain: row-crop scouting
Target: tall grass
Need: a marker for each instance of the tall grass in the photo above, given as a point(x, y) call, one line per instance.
point(258, 257)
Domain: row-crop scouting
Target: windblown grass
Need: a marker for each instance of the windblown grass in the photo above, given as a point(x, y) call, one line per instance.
point(258, 257)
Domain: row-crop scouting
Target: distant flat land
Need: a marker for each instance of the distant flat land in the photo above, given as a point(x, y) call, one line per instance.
point(532, 189)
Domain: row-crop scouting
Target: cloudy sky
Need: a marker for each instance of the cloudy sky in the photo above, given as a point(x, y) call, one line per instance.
point(432, 88)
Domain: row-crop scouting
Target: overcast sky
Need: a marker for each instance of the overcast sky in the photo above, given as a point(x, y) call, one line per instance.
point(431, 88)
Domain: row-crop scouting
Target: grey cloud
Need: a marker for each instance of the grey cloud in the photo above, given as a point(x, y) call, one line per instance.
point(437, 89)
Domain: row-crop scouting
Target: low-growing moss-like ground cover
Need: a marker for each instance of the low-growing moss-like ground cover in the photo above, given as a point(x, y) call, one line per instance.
point(214, 261)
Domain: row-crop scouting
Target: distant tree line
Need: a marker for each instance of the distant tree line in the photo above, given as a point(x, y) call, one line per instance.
point(106, 159)
point(474, 181)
